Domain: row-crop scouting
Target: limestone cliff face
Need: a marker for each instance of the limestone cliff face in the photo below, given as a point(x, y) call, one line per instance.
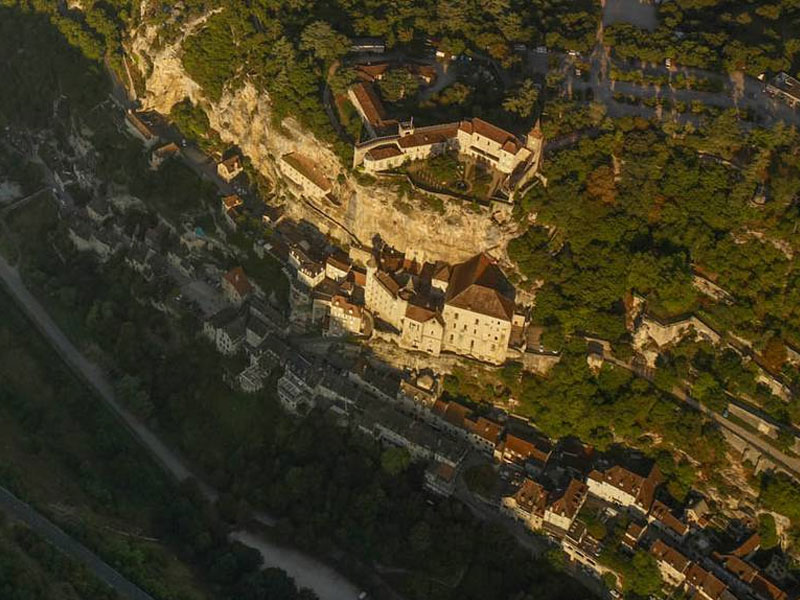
point(243, 117)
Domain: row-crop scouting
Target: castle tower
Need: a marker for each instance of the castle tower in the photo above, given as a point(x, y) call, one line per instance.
point(405, 128)
point(535, 138)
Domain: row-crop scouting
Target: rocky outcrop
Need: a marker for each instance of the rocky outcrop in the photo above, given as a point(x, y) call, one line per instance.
point(243, 117)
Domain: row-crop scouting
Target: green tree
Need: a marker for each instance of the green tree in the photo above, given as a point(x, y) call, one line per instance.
point(522, 101)
point(397, 84)
point(767, 531)
point(395, 460)
point(324, 42)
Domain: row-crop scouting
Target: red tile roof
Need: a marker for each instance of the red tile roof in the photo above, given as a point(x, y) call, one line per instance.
point(699, 578)
point(478, 285)
point(369, 103)
point(424, 136)
point(507, 140)
point(662, 513)
point(531, 497)
point(486, 429)
point(521, 449)
point(641, 488)
point(452, 412)
point(308, 169)
point(669, 555)
point(239, 281)
point(384, 151)
point(419, 314)
point(572, 499)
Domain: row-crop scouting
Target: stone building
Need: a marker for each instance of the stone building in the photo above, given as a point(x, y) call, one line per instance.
point(345, 318)
point(478, 311)
point(625, 488)
point(488, 144)
point(562, 511)
point(236, 286)
point(308, 179)
point(230, 168)
point(470, 315)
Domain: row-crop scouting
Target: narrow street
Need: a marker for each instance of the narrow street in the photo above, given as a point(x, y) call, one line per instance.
point(20, 511)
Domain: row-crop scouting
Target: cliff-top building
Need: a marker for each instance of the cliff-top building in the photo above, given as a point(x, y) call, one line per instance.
point(486, 143)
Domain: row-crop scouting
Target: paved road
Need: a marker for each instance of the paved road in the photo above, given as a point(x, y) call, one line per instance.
point(20, 511)
point(170, 460)
point(789, 463)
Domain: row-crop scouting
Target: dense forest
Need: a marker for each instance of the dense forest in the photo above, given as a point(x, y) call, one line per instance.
point(642, 209)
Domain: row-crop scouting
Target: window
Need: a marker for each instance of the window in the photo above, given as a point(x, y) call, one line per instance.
point(476, 321)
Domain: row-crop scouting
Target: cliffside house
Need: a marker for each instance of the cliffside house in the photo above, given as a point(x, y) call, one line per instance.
point(139, 129)
point(230, 168)
point(163, 153)
point(307, 178)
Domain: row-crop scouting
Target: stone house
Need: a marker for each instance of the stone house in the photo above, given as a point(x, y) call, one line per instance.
point(421, 329)
point(345, 318)
point(478, 311)
point(483, 434)
point(230, 168)
point(528, 504)
point(303, 172)
point(532, 456)
point(562, 510)
point(671, 564)
point(236, 287)
point(625, 488)
point(661, 517)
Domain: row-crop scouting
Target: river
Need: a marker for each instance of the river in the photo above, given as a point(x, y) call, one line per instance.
point(306, 571)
